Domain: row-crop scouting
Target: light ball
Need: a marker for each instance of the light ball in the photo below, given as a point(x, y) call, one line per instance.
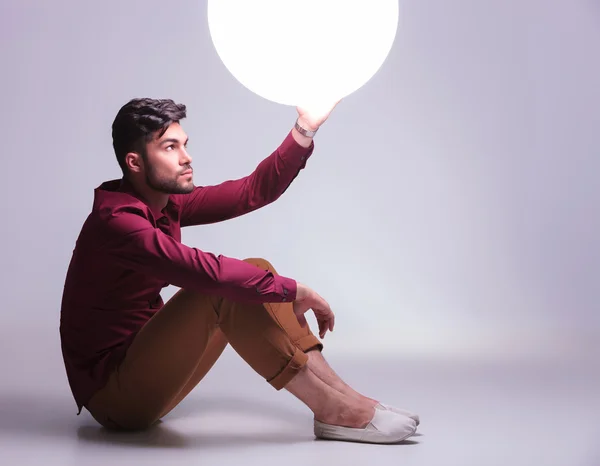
point(304, 53)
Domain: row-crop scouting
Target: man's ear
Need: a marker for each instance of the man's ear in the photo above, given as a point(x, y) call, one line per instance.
point(134, 162)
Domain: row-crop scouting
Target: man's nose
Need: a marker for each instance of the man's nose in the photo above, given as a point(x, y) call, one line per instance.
point(187, 158)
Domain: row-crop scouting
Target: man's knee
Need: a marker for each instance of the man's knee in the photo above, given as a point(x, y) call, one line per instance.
point(261, 263)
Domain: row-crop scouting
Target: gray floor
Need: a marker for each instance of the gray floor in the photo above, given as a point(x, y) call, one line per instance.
point(473, 413)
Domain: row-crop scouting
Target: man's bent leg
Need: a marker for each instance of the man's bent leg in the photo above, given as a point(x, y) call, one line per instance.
point(281, 313)
point(267, 336)
point(178, 346)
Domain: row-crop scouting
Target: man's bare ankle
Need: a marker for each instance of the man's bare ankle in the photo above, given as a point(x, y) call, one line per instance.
point(346, 412)
point(318, 365)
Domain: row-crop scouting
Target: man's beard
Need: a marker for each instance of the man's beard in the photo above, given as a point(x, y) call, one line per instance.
point(163, 185)
point(167, 186)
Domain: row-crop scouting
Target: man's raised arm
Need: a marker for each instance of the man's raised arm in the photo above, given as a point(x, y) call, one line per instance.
point(272, 177)
point(233, 198)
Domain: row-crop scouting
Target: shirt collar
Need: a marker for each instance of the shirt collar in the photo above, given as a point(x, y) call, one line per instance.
point(127, 187)
point(123, 185)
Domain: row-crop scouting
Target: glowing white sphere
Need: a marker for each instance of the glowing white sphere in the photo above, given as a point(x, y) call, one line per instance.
point(303, 52)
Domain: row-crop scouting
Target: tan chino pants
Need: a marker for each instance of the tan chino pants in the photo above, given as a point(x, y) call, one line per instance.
point(177, 347)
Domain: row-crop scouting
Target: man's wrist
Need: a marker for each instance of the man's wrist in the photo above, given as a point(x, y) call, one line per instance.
point(300, 135)
point(306, 125)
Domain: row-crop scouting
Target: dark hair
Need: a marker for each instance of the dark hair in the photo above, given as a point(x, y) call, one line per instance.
point(137, 123)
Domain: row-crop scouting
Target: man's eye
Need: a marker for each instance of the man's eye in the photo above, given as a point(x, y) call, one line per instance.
point(170, 147)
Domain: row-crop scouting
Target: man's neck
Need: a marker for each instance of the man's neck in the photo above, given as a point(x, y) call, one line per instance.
point(156, 200)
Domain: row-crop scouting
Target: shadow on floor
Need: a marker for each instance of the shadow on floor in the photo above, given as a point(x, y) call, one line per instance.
point(161, 436)
point(21, 414)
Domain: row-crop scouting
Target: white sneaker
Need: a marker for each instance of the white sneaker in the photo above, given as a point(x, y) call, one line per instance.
point(385, 427)
point(404, 412)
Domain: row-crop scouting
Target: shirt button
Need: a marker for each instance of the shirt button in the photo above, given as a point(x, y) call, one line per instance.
point(284, 299)
point(285, 291)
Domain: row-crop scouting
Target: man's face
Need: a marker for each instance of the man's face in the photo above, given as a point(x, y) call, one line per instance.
point(167, 163)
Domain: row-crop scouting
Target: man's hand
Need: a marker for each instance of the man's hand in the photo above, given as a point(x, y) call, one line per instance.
point(312, 117)
point(307, 299)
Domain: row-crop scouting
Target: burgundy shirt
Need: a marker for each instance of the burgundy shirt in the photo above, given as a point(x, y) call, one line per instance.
point(126, 253)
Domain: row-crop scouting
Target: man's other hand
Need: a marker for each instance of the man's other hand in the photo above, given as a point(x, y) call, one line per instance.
point(306, 299)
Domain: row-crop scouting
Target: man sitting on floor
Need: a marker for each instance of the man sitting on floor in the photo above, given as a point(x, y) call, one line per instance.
point(131, 358)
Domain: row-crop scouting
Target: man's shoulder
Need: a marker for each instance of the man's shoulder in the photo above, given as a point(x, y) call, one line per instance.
point(110, 199)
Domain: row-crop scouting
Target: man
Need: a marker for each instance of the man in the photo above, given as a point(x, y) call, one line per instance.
point(131, 358)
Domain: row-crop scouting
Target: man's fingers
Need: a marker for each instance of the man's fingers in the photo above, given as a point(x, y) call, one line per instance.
point(322, 328)
point(326, 324)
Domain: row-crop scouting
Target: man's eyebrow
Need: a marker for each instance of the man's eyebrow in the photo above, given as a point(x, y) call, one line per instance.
point(173, 140)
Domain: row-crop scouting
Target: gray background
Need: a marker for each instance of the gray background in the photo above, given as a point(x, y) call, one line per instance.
point(451, 204)
point(449, 212)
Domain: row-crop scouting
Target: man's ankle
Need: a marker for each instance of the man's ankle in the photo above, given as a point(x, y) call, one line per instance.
point(348, 413)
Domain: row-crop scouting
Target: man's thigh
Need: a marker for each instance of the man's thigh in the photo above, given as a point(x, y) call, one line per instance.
point(216, 346)
point(159, 363)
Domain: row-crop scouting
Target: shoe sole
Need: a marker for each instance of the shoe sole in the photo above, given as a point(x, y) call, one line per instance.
point(349, 434)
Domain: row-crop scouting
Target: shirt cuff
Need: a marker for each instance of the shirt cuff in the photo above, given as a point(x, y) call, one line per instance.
point(286, 288)
point(291, 150)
